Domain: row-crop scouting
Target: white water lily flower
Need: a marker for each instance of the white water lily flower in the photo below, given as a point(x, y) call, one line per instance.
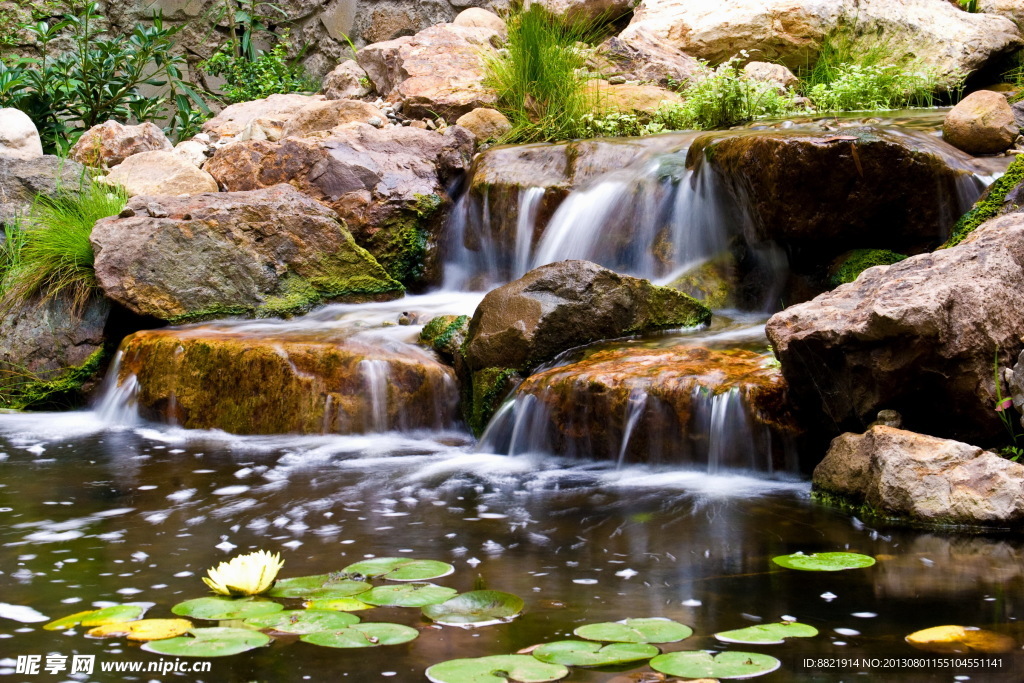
point(250, 574)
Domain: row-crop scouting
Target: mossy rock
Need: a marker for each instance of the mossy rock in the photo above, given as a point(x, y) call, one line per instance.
point(404, 241)
point(853, 263)
point(1003, 196)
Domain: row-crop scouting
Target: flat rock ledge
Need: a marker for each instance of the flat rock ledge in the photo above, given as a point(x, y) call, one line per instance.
point(919, 479)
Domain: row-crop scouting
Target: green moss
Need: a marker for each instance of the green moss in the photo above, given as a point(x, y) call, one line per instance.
point(859, 260)
point(667, 309)
point(210, 313)
point(63, 390)
point(445, 333)
point(489, 387)
point(870, 513)
point(989, 206)
point(401, 244)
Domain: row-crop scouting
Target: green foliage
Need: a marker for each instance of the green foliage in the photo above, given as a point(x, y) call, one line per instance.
point(97, 79)
point(21, 389)
point(990, 205)
point(268, 73)
point(969, 6)
point(860, 260)
point(540, 77)
point(1007, 416)
point(48, 252)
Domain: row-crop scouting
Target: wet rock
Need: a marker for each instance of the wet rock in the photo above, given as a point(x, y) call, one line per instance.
point(922, 478)
point(110, 143)
point(777, 74)
point(323, 116)
point(952, 42)
point(346, 82)
point(656, 406)
point(981, 123)
point(21, 180)
point(265, 252)
point(919, 336)
point(19, 138)
point(160, 173)
point(643, 57)
point(234, 119)
point(388, 185)
point(201, 378)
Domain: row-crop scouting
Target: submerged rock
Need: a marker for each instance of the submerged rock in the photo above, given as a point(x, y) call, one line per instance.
point(981, 123)
point(922, 478)
point(919, 336)
point(202, 378)
point(110, 143)
point(265, 252)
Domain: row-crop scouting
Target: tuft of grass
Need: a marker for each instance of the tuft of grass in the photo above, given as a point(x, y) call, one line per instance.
point(47, 252)
point(541, 78)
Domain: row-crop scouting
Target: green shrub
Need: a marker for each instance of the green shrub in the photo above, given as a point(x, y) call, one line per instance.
point(47, 252)
point(268, 73)
point(881, 86)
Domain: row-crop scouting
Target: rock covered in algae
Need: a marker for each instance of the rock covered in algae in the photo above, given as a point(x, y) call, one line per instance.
point(265, 252)
point(202, 378)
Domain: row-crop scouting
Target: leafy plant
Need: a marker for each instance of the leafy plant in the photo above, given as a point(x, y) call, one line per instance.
point(269, 73)
point(969, 6)
point(1003, 404)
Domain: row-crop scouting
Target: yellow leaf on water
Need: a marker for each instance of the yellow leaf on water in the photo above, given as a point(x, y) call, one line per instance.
point(68, 621)
point(146, 629)
point(960, 640)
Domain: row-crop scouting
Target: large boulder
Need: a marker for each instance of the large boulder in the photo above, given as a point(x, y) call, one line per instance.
point(791, 32)
point(159, 173)
point(265, 252)
point(919, 336)
point(585, 11)
point(276, 109)
point(346, 81)
point(554, 308)
point(109, 144)
point(655, 406)
point(1011, 9)
point(19, 138)
point(437, 72)
point(389, 185)
point(981, 123)
point(210, 378)
point(21, 180)
point(642, 57)
point(323, 116)
point(896, 473)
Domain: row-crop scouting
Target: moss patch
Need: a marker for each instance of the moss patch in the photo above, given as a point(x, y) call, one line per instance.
point(488, 388)
point(857, 261)
point(401, 244)
point(445, 334)
point(991, 204)
point(25, 391)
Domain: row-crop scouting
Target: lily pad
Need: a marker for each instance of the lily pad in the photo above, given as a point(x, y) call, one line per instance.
point(210, 642)
point(321, 586)
point(476, 608)
point(144, 629)
point(702, 664)
point(97, 617)
point(225, 608)
point(960, 640)
point(589, 653)
point(408, 595)
point(496, 669)
point(824, 562)
point(652, 630)
point(767, 634)
point(363, 635)
point(400, 569)
point(339, 604)
point(303, 621)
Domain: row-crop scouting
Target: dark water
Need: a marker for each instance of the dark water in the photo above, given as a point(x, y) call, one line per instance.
point(140, 514)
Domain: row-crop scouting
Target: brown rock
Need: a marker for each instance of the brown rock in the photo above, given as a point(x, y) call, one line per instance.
point(777, 74)
point(110, 143)
point(346, 82)
point(591, 11)
point(266, 252)
point(234, 119)
point(643, 57)
point(485, 124)
point(322, 116)
point(158, 173)
point(982, 123)
point(478, 17)
point(634, 99)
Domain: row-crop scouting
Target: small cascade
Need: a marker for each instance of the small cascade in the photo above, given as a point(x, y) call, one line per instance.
point(375, 377)
point(634, 411)
point(117, 403)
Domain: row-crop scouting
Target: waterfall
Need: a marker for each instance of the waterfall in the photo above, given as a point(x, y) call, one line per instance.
point(375, 375)
point(116, 402)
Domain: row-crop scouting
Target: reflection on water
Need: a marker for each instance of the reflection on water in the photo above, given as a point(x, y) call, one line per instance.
point(94, 514)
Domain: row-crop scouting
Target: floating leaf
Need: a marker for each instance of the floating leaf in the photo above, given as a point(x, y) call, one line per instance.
point(363, 635)
point(476, 608)
point(496, 669)
point(702, 664)
point(339, 604)
point(767, 634)
point(97, 617)
point(400, 569)
point(588, 653)
point(225, 608)
point(960, 640)
point(145, 629)
point(303, 621)
point(824, 562)
point(654, 630)
point(210, 642)
point(408, 595)
point(321, 586)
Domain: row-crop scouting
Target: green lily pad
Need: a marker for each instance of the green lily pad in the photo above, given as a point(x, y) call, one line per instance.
point(400, 569)
point(496, 669)
point(824, 562)
point(225, 608)
point(321, 586)
point(304, 621)
point(209, 642)
point(363, 635)
point(653, 630)
point(767, 634)
point(476, 608)
point(339, 604)
point(702, 664)
point(97, 617)
point(589, 653)
point(408, 595)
